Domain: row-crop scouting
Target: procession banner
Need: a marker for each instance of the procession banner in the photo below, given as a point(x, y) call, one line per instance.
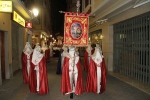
point(76, 29)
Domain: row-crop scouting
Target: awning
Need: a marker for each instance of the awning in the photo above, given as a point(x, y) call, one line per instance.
point(22, 9)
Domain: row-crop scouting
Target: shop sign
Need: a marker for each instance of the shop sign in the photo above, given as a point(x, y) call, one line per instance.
point(5, 6)
point(17, 18)
point(28, 25)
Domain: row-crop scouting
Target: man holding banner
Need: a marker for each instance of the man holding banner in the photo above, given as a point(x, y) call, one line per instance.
point(72, 81)
point(96, 78)
point(75, 35)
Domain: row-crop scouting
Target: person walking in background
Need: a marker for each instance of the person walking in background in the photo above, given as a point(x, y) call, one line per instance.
point(88, 52)
point(96, 78)
point(59, 64)
point(38, 80)
point(63, 55)
point(72, 81)
point(25, 60)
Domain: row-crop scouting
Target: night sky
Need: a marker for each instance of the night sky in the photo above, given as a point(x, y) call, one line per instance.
point(56, 17)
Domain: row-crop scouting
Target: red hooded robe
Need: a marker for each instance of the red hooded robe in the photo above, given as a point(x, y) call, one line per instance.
point(43, 79)
point(25, 60)
point(86, 65)
point(65, 82)
point(91, 85)
point(24, 67)
point(43, 89)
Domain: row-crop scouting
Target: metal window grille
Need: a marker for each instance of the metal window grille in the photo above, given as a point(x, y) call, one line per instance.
point(132, 48)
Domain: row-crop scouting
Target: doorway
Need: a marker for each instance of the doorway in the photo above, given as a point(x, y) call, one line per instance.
point(2, 54)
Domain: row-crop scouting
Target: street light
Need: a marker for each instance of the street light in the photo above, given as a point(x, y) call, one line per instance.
point(35, 12)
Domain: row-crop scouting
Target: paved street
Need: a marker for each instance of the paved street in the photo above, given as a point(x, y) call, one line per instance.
point(15, 89)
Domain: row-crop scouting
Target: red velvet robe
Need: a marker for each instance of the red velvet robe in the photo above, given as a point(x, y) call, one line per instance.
point(91, 84)
point(65, 82)
point(44, 88)
point(24, 67)
point(47, 54)
point(86, 64)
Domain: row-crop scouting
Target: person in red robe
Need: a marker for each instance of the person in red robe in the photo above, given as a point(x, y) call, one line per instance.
point(25, 60)
point(45, 51)
point(96, 78)
point(48, 54)
point(38, 80)
point(72, 81)
point(87, 55)
point(63, 53)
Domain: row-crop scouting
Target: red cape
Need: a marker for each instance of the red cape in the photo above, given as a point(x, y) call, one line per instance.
point(65, 82)
point(43, 89)
point(86, 64)
point(47, 54)
point(24, 67)
point(91, 84)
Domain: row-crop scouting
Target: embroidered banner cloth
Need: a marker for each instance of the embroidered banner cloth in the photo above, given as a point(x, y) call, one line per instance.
point(76, 29)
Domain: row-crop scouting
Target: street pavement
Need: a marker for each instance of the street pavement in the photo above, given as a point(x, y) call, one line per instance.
point(15, 89)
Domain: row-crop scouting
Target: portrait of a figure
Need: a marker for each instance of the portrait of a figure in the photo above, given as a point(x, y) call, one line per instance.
point(76, 30)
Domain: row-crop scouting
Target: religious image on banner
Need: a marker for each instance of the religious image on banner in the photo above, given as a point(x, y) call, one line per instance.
point(76, 29)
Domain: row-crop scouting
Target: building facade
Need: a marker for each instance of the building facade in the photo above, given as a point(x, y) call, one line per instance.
point(122, 27)
point(14, 34)
point(41, 24)
point(13, 37)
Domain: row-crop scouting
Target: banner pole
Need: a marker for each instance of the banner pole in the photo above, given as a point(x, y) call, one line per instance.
point(71, 94)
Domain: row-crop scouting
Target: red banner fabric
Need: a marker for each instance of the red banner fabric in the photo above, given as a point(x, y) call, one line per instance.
point(76, 29)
